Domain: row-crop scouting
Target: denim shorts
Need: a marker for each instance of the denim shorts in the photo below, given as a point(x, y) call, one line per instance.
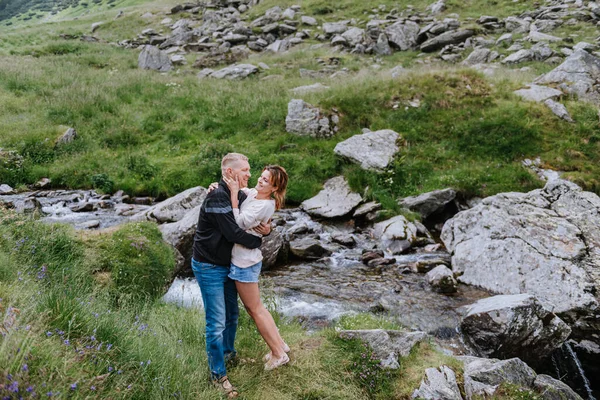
point(245, 275)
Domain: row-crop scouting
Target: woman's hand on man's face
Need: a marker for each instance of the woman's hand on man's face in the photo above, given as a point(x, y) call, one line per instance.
point(232, 183)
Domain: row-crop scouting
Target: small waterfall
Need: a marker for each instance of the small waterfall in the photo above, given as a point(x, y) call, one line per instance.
point(567, 367)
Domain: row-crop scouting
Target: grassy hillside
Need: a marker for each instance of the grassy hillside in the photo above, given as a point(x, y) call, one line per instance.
point(157, 134)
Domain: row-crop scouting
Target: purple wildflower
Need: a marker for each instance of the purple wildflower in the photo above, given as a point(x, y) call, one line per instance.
point(110, 369)
point(92, 387)
point(74, 386)
point(25, 368)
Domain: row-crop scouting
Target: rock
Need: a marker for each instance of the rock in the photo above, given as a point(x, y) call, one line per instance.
point(178, 59)
point(338, 40)
point(442, 279)
point(180, 234)
point(439, 384)
point(27, 206)
point(520, 56)
point(396, 234)
point(541, 51)
point(82, 207)
point(542, 37)
point(545, 25)
point(477, 56)
point(94, 223)
point(234, 72)
point(578, 75)
point(270, 248)
point(306, 20)
point(437, 8)
point(403, 35)
point(446, 38)
point(344, 239)
point(43, 183)
point(382, 47)
point(153, 58)
point(334, 201)
point(174, 208)
point(517, 25)
point(387, 345)
point(306, 120)
point(279, 46)
point(308, 248)
point(377, 262)
point(559, 110)
point(545, 243)
point(429, 203)
point(366, 208)
point(505, 326)
point(372, 150)
point(507, 38)
point(368, 256)
point(538, 93)
point(317, 87)
point(585, 46)
point(95, 26)
point(334, 28)
point(397, 71)
point(553, 389)
point(5, 189)
point(482, 376)
point(354, 36)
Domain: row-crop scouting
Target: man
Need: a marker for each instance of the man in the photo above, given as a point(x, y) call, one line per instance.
point(215, 236)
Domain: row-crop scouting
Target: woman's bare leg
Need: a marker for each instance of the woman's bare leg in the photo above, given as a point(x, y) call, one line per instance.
point(250, 296)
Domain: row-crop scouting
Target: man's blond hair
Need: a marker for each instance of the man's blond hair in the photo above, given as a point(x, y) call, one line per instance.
point(230, 160)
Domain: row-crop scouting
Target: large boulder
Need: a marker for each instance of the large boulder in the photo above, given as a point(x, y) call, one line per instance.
point(372, 150)
point(270, 248)
point(180, 235)
point(174, 208)
point(6, 189)
point(304, 119)
point(446, 38)
point(482, 376)
point(538, 93)
point(387, 345)
point(578, 74)
point(545, 243)
point(309, 248)
point(430, 202)
point(403, 35)
point(553, 389)
point(238, 71)
point(441, 278)
point(334, 201)
point(438, 384)
point(396, 234)
point(153, 58)
point(507, 326)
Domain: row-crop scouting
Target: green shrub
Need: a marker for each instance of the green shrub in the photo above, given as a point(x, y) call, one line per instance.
point(38, 152)
point(141, 263)
point(103, 183)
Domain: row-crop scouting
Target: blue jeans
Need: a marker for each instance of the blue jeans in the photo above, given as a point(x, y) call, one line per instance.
point(219, 296)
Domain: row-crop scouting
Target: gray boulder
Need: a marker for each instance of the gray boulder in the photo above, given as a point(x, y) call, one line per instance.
point(428, 203)
point(372, 150)
point(517, 25)
point(437, 8)
point(438, 384)
point(396, 234)
point(446, 38)
point(153, 58)
point(507, 326)
point(538, 93)
point(478, 56)
point(387, 345)
point(306, 20)
point(334, 201)
point(238, 71)
point(309, 248)
point(5, 189)
point(67, 137)
point(279, 46)
point(174, 208)
point(535, 37)
point(334, 28)
point(520, 56)
point(578, 74)
point(403, 35)
point(382, 47)
point(441, 278)
point(553, 389)
point(559, 110)
point(545, 243)
point(306, 120)
point(180, 234)
point(354, 36)
point(482, 376)
point(317, 87)
point(270, 248)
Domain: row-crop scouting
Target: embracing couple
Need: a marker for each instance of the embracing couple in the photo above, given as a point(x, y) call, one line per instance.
point(227, 261)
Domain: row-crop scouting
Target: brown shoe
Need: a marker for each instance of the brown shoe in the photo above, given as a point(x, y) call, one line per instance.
point(225, 387)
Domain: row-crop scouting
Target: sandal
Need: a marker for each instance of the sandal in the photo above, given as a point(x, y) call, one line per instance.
point(225, 387)
point(276, 362)
point(268, 356)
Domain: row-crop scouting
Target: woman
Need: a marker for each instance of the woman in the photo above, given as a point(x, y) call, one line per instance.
point(259, 206)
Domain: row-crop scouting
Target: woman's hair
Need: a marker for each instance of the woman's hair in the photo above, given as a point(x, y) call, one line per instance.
point(279, 180)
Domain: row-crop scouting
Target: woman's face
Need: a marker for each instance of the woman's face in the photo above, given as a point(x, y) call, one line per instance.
point(264, 183)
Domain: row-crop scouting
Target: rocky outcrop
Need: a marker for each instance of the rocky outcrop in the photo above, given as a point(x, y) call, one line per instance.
point(387, 345)
point(372, 150)
point(153, 58)
point(304, 119)
point(334, 201)
point(553, 389)
point(438, 384)
point(174, 208)
point(545, 243)
point(67, 137)
point(395, 235)
point(507, 326)
point(429, 203)
point(180, 235)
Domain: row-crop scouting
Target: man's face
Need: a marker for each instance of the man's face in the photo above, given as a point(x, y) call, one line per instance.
point(241, 170)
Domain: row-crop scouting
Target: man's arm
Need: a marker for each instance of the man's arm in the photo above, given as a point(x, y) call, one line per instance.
point(222, 215)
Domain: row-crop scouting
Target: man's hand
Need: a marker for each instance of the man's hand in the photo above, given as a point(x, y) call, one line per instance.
point(264, 228)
